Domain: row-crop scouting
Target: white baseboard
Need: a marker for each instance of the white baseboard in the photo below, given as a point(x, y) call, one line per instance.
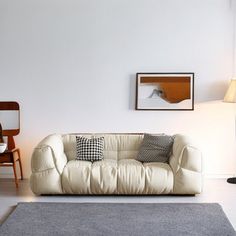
point(217, 176)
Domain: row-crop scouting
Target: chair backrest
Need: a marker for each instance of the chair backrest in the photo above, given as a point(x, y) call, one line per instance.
point(1, 134)
point(6, 107)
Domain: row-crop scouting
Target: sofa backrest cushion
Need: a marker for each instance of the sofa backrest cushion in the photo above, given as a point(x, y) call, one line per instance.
point(116, 146)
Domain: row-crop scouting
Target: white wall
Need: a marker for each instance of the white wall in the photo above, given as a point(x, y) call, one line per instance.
point(71, 65)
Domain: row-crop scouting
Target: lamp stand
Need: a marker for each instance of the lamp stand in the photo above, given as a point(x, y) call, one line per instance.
point(232, 180)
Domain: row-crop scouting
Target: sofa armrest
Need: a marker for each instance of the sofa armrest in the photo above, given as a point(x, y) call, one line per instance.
point(47, 163)
point(186, 164)
point(48, 154)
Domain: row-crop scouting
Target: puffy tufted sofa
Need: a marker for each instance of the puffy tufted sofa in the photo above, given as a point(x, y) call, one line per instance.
point(55, 170)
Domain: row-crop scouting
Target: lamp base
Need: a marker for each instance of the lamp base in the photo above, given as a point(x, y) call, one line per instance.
point(232, 180)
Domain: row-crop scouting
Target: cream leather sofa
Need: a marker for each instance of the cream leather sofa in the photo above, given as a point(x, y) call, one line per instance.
point(55, 170)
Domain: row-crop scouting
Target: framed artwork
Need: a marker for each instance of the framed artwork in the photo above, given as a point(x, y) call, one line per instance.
point(164, 91)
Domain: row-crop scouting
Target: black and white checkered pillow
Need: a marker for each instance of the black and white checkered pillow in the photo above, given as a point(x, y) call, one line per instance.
point(89, 149)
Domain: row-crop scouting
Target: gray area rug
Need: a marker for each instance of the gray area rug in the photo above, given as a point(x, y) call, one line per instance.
point(165, 219)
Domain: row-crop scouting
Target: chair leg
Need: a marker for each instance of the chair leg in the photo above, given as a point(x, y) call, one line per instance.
point(14, 169)
point(19, 159)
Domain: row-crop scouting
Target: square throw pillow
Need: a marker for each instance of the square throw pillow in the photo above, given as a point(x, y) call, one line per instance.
point(155, 148)
point(89, 149)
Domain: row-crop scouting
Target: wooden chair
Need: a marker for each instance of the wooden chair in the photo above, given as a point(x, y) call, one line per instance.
point(12, 154)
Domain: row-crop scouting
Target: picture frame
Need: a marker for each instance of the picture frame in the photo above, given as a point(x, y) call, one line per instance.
point(165, 91)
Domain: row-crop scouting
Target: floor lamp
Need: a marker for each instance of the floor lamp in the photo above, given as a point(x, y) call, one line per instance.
point(230, 96)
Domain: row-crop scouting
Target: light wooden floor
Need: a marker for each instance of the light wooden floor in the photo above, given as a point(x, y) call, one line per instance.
point(215, 190)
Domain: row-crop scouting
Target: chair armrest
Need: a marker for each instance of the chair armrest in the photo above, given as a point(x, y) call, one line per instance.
point(186, 164)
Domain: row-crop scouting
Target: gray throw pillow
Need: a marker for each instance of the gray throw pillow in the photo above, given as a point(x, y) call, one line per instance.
point(155, 148)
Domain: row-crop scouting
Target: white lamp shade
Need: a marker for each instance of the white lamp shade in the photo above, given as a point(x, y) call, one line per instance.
point(230, 95)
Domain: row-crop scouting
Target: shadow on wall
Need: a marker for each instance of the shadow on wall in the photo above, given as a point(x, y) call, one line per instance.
point(132, 91)
point(213, 91)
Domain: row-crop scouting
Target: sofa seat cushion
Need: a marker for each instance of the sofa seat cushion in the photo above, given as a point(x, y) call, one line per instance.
point(85, 177)
point(147, 178)
point(127, 176)
point(104, 177)
point(76, 177)
point(159, 178)
point(131, 177)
